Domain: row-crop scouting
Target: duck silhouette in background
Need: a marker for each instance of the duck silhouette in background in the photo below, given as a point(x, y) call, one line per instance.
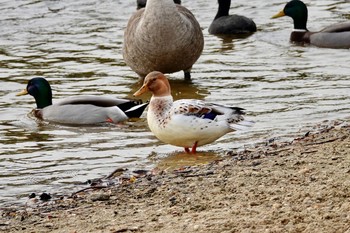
point(225, 24)
point(162, 36)
point(333, 36)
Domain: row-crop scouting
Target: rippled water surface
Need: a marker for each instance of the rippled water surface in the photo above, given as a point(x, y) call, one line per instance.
point(77, 46)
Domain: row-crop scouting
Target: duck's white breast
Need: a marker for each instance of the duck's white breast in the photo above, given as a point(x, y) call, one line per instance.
point(183, 130)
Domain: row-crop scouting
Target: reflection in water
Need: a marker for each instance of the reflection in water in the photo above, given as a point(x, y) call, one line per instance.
point(181, 89)
point(178, 160)
point(77, 46)
point(229, 40)
point(23, 136)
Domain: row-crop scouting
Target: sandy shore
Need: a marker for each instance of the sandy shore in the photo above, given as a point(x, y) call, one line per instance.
point(298, 186)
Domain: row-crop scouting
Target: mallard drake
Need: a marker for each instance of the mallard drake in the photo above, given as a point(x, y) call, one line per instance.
point(334, 36)
point(230, 24)
point(162, 36)
point(142, 3)
point(187, 123)
point(80, 110)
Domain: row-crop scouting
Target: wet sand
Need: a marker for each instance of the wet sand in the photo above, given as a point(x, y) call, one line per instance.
point(302, 185)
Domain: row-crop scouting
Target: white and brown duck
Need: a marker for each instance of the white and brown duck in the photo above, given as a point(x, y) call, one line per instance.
point(187, 123)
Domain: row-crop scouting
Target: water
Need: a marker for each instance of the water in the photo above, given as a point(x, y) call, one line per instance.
point(77, 45)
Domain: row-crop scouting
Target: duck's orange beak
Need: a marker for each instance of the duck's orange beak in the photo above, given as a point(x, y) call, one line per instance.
point(24, 92)
point(142, 90)
point(279, 14)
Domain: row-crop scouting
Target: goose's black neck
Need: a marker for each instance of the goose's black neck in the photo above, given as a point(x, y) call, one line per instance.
point(224, 8)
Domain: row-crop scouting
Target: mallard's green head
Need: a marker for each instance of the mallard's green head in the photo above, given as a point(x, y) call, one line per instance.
point(297, 10)
point(40, 89)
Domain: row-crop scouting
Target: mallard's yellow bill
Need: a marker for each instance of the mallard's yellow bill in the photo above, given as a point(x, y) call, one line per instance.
point(279, 14)
point(24, 92)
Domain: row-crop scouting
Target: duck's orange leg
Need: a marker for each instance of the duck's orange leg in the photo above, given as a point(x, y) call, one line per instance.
point(194, 148)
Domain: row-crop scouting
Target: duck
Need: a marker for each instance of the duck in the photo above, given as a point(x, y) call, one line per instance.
point(187, 123)
point(162, 36)
point(80, 110)
point(142, 3)
point(225, 24)
point(333, 36)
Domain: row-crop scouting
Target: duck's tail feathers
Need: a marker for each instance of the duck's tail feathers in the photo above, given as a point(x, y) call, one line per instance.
point(136, 111)
point(242, 125)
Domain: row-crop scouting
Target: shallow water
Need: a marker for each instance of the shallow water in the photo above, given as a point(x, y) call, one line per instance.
point(77, 46)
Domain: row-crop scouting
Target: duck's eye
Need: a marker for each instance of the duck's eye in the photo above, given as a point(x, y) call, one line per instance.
point(152, 80)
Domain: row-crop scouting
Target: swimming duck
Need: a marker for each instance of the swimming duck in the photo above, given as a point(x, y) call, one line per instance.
point(162, 36)
point(230, 24)
point(142, 3)
point(334, 36)
point(80, 110)
point(187, 123)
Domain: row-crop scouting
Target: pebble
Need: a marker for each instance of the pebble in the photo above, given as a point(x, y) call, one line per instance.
point(45, 197)
point(99, 197)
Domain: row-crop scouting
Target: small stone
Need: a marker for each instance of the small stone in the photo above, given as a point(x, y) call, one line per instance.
point(99, 197)
point(304, 171)
point(276, 206)
point(45, 197)
point(254, 204)
point(256, 163)
point(49, 225)
point(285, 221)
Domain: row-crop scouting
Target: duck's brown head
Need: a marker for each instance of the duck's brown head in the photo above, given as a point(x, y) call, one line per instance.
point(157, 83)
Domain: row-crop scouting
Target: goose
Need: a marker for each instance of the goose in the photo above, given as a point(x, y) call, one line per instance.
point(162, 36)
point(224, 23)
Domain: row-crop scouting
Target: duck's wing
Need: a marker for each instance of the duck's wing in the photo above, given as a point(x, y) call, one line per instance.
point(204, 110)
point(331, 39)
point(195, 108)
point(339, 27)
point(100, 101)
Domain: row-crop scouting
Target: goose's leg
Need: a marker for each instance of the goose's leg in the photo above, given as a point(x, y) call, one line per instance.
point(187, 74)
